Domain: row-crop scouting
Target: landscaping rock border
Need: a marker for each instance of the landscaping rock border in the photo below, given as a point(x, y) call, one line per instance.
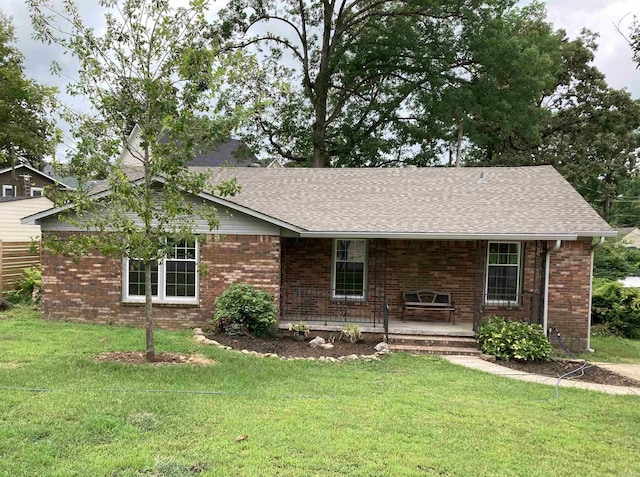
point(381, 350)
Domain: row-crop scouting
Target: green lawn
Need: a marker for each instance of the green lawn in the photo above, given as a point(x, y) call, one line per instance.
point(614, 350)
point(402, 416)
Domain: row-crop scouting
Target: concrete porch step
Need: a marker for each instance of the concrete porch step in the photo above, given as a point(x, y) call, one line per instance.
point(436, 350)
point(433, 340)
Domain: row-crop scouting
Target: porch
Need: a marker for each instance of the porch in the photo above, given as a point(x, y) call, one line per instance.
point(330, 283)
point(413, 328)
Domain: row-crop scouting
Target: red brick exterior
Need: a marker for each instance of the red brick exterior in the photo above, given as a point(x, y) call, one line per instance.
point(92, 289)
point(569, 292)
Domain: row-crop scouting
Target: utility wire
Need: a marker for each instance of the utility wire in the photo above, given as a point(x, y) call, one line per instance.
point(152, 391)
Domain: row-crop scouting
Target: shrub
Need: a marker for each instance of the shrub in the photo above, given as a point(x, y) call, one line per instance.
point(242, 307)
point(617, 308)
point(351, 333)
point(506, 339)
point(614, 260)
point(29, 287)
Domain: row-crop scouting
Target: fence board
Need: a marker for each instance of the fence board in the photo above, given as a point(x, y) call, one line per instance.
point(14, 258)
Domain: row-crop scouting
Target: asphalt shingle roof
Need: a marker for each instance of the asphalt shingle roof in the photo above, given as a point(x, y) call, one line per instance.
point(438, 202)
point(487, 201)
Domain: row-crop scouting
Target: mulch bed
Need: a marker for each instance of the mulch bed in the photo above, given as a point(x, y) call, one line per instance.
point(162, 359)
point(557, 368)
point(285, 345)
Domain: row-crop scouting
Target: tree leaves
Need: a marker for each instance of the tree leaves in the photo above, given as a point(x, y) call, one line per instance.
point(26, 128)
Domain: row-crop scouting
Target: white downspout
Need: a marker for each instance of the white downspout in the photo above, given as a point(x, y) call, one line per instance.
point(545, 313)
point(593, 247)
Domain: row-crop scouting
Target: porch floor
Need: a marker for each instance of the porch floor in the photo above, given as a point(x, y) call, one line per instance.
point(396, 327)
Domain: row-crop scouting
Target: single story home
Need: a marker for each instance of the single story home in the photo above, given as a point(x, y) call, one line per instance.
point(342, 245)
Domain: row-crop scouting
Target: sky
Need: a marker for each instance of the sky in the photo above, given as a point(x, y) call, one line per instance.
point(613, 57)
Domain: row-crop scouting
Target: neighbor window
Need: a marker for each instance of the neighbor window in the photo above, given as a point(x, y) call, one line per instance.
point(8, 191)
point(173, 279)
point(349, 268)
point(36, 191)
point(503, 273)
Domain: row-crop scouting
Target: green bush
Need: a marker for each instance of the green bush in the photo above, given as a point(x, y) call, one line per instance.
point(614, 260)
point(506, 339)
point(29, 287)
point(244, 307)
point(617, 308)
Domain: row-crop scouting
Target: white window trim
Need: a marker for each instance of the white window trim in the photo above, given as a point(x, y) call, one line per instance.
point(160, 297)
point(5, 188)
point(487, 301)
point(37, 189)
point(365, 271)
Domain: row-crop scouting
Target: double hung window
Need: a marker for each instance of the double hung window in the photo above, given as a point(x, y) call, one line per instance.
point(349, 268)
point(503, 273)
point(173, 279)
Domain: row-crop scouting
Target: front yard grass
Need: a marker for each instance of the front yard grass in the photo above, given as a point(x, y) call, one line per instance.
point(63, 414)
point(611, 349)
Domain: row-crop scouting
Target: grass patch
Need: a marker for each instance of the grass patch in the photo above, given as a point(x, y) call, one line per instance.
point(612, 349)
point(404, 415)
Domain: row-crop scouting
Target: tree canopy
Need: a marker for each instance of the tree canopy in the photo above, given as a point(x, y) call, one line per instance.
point(27, 130)
point(336, 82)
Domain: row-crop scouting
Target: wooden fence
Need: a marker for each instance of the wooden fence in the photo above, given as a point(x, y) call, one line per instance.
point(14, 258)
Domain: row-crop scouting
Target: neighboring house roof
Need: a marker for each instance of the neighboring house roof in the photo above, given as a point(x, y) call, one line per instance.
point(36, 171)
point(632, 239)
point(231, 152)
point(449, 203)
point(71, 182)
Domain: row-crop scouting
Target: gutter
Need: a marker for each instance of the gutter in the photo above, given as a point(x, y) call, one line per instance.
point(593, 248)
point(545, 313)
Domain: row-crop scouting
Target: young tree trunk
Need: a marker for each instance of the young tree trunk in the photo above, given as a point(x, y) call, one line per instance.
point(151, 346)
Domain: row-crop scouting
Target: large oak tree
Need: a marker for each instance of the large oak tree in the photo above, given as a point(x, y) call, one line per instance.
point(335, 82)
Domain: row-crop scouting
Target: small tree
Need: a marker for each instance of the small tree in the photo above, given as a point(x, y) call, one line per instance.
point(151, 66)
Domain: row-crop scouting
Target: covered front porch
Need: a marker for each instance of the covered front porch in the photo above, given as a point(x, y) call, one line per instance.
point(332, 282)
point(417, 328)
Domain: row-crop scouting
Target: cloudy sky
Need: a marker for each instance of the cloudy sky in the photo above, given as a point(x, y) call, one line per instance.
point(613, 56)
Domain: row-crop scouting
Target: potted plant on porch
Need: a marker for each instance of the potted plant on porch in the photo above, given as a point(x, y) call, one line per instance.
point(300, 330)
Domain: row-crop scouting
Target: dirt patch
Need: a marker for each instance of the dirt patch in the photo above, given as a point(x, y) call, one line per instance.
point(285, 346)
point(137, 357)
point(556, 368)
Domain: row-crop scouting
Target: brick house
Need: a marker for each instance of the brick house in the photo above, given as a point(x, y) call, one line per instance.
point(336, 245)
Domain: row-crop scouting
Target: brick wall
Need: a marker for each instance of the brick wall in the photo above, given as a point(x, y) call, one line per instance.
point(91, 290)
point(569, 284)
point(436, 265)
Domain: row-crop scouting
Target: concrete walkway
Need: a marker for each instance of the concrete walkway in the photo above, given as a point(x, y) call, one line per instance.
point(475, 362)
